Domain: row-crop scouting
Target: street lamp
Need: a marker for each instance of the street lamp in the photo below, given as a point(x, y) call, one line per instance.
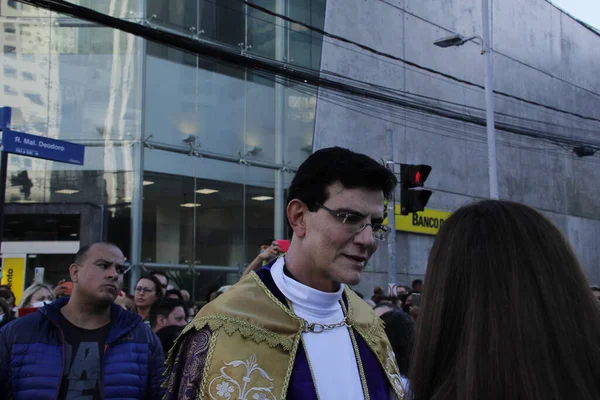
point(584, 151)
point(459, 40)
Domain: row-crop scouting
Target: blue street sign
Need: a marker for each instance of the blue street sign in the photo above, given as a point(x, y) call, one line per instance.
point(42, 147)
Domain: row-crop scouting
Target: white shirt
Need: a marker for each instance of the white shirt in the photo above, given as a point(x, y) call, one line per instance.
point(330, 353)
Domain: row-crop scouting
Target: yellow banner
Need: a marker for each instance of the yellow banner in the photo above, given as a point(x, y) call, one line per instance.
point(13, 275)
point(427, 222)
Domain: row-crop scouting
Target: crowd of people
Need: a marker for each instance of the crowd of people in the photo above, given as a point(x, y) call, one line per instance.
point(504, 312)
point(151, 302)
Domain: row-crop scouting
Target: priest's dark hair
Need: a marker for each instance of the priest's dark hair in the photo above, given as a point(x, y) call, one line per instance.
point(523, 325)
point(335, 164)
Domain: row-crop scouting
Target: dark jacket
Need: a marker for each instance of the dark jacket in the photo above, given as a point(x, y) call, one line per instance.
point(32, 357)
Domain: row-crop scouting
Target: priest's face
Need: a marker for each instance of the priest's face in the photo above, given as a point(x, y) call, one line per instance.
point(336, 235)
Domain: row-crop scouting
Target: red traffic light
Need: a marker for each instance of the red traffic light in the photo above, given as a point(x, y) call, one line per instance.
point(414, 175)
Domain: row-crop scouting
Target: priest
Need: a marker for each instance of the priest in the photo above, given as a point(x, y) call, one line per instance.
point(294, 329)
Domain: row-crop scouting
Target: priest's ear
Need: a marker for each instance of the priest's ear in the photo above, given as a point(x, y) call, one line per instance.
point(297, 213)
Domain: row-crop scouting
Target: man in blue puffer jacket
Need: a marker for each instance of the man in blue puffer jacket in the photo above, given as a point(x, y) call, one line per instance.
point(83, 347)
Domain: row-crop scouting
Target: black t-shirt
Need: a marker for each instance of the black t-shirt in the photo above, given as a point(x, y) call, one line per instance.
point(84, 353)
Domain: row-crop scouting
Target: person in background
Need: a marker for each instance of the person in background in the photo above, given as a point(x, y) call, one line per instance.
point(266, 254)
point(163, 279)
point(147, 292)
point(417, 286)
point(167, 312)
point(174, 294)
point(401, 290)
point(7, 314)
point(212, 294)
point(385, 306)
point(37, 295)
point(185, 295)
point(7, 294)
point(224, 288)
point(126, 301)
point(399, 301)
point(596, 292)
point(407, 303)
point(400, 330)
point(83, 346)
point(168, 335)
point(190, 310)
point(504, 334)
point(63, 289)
point(378, 292)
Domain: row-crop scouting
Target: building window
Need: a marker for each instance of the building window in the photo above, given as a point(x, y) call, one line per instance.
point(9, 28)
point(34, 98)
point(10, 50)
point(28, 76)
point(10, 91)
point(9, 72)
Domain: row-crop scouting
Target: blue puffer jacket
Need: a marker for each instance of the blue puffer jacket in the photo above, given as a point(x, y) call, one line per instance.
point(32, 357)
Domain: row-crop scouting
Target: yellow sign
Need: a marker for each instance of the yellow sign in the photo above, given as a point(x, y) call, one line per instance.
point(13, 275)
point(427, 222)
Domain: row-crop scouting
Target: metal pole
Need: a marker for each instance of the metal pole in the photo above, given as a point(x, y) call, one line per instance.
point(3, 174)
point(138, 163)
point(5, 117)
point(391, 215)
point(489, 98)
point(279, 207)
point(188, 267)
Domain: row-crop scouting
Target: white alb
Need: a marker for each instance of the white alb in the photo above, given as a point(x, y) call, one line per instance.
point(330, 353)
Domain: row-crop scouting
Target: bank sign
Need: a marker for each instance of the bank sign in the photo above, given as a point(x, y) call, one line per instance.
point(13, 274)
point(42, 147)
point(427, 222)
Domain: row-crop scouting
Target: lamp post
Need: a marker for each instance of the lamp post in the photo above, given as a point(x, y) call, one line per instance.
point(459, 40)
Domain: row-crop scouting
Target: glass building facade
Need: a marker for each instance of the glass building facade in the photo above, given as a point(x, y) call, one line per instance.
point(187, 159)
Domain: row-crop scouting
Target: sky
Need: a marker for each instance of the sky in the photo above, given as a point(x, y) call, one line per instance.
point(586, 10)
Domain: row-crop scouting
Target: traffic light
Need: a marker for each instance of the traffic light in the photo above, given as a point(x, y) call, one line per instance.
point(412, 176)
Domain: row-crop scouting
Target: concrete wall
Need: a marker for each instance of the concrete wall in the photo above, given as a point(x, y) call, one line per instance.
point(540, 54)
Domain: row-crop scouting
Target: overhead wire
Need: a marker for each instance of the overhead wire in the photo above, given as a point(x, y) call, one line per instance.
point(532, 133)
point(411, 63)
point(458, 105)
point(318, 31)
point(253, 62)
point(462, 133)
point(417, 124)
point(379, 87)
point(404, 10)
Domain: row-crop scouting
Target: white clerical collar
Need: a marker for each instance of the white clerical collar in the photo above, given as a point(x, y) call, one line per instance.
point(316, 301)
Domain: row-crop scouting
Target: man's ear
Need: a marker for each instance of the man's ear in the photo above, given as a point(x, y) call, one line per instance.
point(297, 213)
point(74, 272)
point(161, 320)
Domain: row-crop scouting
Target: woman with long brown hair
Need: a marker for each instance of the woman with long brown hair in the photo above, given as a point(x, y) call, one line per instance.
point(506, 312)
point(147, 291)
